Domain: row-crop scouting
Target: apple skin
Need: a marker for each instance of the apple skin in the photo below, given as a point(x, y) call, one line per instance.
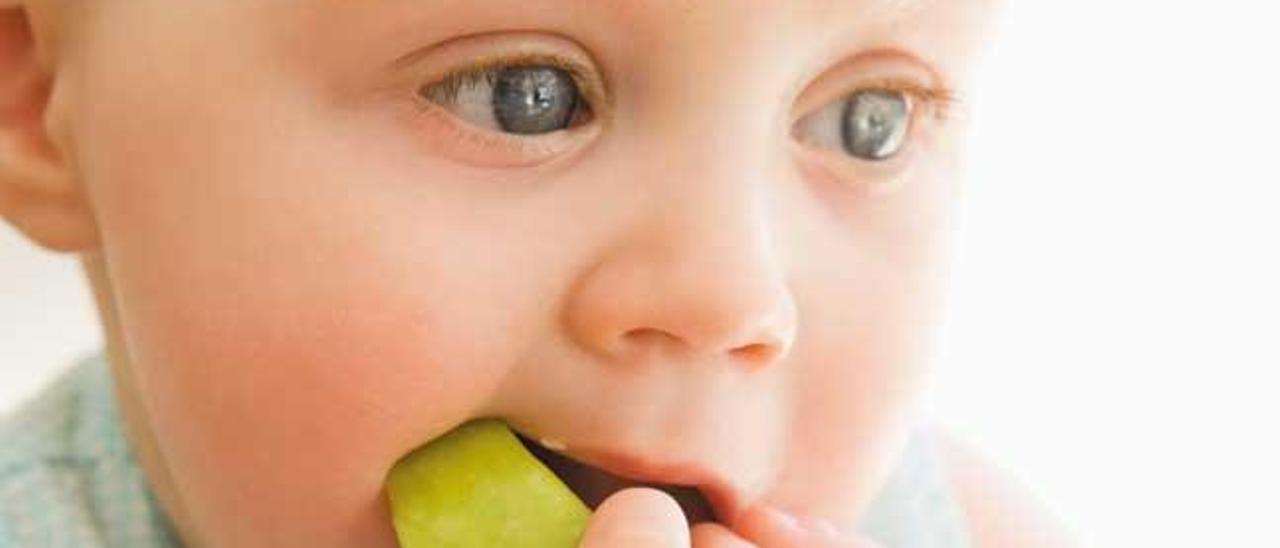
point(478, 486)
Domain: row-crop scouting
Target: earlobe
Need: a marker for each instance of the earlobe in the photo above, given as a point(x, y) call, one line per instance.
point(39, 190)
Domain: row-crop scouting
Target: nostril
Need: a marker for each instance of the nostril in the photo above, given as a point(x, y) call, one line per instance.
point(756, 353)
point(649, 337)
point(645, 341)
point(643, 334)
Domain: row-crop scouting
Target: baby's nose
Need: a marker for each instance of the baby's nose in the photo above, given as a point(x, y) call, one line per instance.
point(699, 282)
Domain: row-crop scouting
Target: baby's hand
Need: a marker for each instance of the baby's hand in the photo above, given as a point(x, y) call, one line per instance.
point(641, 517)
point(638, 517)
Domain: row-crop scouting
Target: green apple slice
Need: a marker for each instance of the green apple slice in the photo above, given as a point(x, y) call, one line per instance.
point(478, 486)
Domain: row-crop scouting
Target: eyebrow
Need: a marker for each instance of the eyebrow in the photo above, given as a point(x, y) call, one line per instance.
point(887, 11)
point(819, 18)
point(869, 9)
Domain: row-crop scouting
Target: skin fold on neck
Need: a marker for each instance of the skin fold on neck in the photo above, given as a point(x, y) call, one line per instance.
point(136, 428)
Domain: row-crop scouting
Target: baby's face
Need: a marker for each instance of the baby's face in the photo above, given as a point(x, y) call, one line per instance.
point(695, 241)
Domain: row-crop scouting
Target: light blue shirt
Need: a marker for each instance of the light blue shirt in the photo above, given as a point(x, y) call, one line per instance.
point(68, 478)
point(67, 475)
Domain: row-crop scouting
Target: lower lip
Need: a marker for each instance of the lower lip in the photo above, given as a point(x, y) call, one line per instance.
point(594, 484)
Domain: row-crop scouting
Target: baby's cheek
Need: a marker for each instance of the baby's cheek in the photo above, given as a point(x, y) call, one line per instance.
point(288, 406)
point(288, 343)
point(856, 387)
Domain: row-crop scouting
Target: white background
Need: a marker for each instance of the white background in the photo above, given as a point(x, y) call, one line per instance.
point(1113, 334)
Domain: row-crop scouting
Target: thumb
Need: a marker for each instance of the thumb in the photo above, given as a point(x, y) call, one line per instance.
point(638, 517)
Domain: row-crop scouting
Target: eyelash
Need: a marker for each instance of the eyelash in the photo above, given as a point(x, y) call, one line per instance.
point(486, 70)
point(939, 100)
point(924, 101)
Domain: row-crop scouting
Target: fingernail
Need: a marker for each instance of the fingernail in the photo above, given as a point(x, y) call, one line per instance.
point(782, 518)
point(822, 527)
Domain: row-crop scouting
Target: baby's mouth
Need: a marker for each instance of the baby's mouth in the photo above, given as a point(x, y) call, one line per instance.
point(593, 484)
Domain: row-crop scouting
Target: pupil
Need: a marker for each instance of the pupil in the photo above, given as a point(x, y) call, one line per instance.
point(873, 125)
point(534, 99)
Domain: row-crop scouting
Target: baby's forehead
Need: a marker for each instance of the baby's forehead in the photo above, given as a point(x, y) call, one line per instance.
point(944, 33)
point(635, 7)
point(639, 13)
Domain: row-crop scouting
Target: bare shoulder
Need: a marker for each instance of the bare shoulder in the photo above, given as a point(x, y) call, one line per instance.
point(1001, 511)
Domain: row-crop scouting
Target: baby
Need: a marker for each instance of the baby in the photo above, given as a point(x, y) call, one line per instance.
point(694, 247)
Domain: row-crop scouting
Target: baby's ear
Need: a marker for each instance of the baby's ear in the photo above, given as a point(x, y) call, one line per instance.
point(40, 192)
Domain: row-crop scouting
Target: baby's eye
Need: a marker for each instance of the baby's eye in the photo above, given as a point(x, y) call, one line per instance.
point(870, 124)
point(521, 99)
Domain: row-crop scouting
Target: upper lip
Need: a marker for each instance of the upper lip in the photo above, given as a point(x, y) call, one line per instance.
point(714, 486)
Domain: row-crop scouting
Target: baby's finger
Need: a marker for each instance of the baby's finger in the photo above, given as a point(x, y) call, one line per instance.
point(714, 535)
point(638, 517)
